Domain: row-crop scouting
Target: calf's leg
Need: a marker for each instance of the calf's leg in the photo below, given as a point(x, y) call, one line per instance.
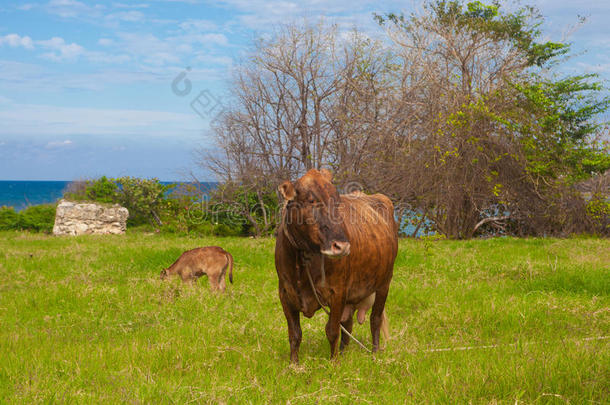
point(215, 281)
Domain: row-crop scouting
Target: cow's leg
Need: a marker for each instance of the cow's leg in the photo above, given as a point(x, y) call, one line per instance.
point(293, 318)
point(337, 303)
point(376, 315)
point(348, 324)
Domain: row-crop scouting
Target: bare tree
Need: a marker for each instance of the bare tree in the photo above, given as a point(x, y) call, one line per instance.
point(282, 119)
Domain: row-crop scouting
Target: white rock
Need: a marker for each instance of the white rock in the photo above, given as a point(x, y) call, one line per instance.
point(86, 218)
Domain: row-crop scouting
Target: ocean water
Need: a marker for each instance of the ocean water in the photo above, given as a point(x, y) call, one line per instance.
point(22, 194)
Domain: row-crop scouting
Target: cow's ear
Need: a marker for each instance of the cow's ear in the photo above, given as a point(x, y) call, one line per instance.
point(287, 190)
point(326, 174)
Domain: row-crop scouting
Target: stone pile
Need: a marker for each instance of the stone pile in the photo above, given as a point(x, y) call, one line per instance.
point(74, 218)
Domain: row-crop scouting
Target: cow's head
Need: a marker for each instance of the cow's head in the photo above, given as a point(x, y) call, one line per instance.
point(312, 219)
point(163, 274)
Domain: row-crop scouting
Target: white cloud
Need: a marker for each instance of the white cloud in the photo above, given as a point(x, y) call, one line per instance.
point(264, 14)
point(15, 40)
point(155, 51)
point(105, 41)
point(107, 58)
point(53, 121)
point(73, 9)
point(123, 5)
point(129, 16)
point(61, 50)
point(96, 14)
point(214, 39)
point(198, 25)
point(58, 144)
point(19, 77)
point(599, 68)
point(208, 59)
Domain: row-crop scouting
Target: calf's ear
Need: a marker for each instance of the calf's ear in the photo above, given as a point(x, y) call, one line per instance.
point(326, 174)
point(287, 190)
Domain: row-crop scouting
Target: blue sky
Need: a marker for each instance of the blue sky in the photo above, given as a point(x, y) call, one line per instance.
point(86, 86)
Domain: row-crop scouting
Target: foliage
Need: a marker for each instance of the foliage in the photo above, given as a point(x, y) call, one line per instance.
point(506, 139)
point(37, 218)
point(598, 212)
point(186, 208)
point(142, 197)
point(9, 219)
point(182, 210)
point(40, 218)
point(245, 210)
point(102, 190)
point(565, 111)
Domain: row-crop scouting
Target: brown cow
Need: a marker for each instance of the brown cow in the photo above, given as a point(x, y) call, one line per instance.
point(212, 261)
point(355, 236)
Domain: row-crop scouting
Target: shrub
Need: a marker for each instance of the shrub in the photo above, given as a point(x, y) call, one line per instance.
point(102, 190)
point(177, 208)
point(598, 212)
point(39, 218)
point(9, 218)
point(225, 230)
point(142, 197)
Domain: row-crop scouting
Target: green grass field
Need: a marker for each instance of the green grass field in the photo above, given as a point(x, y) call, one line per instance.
point(87, 320)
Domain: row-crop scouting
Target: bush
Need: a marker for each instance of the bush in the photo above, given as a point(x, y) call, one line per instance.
point(185, 208)
point(102, 190)
point(598, 212)
point(225, 230)
point(245, 210)
point(142, 197)
point(9, 219)
point(39, 218)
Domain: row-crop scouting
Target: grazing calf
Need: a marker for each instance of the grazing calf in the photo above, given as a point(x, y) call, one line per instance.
point(212, 261)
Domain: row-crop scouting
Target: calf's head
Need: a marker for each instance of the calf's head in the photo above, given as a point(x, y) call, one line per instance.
point(313, 218)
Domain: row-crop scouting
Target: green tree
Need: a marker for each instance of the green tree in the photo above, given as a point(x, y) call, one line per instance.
point(143, 198)
point(500, 136)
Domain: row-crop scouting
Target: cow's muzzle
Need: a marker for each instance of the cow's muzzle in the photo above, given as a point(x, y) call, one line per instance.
point(337, 249)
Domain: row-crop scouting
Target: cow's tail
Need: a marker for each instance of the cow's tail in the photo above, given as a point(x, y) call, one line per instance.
point(230, 264)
